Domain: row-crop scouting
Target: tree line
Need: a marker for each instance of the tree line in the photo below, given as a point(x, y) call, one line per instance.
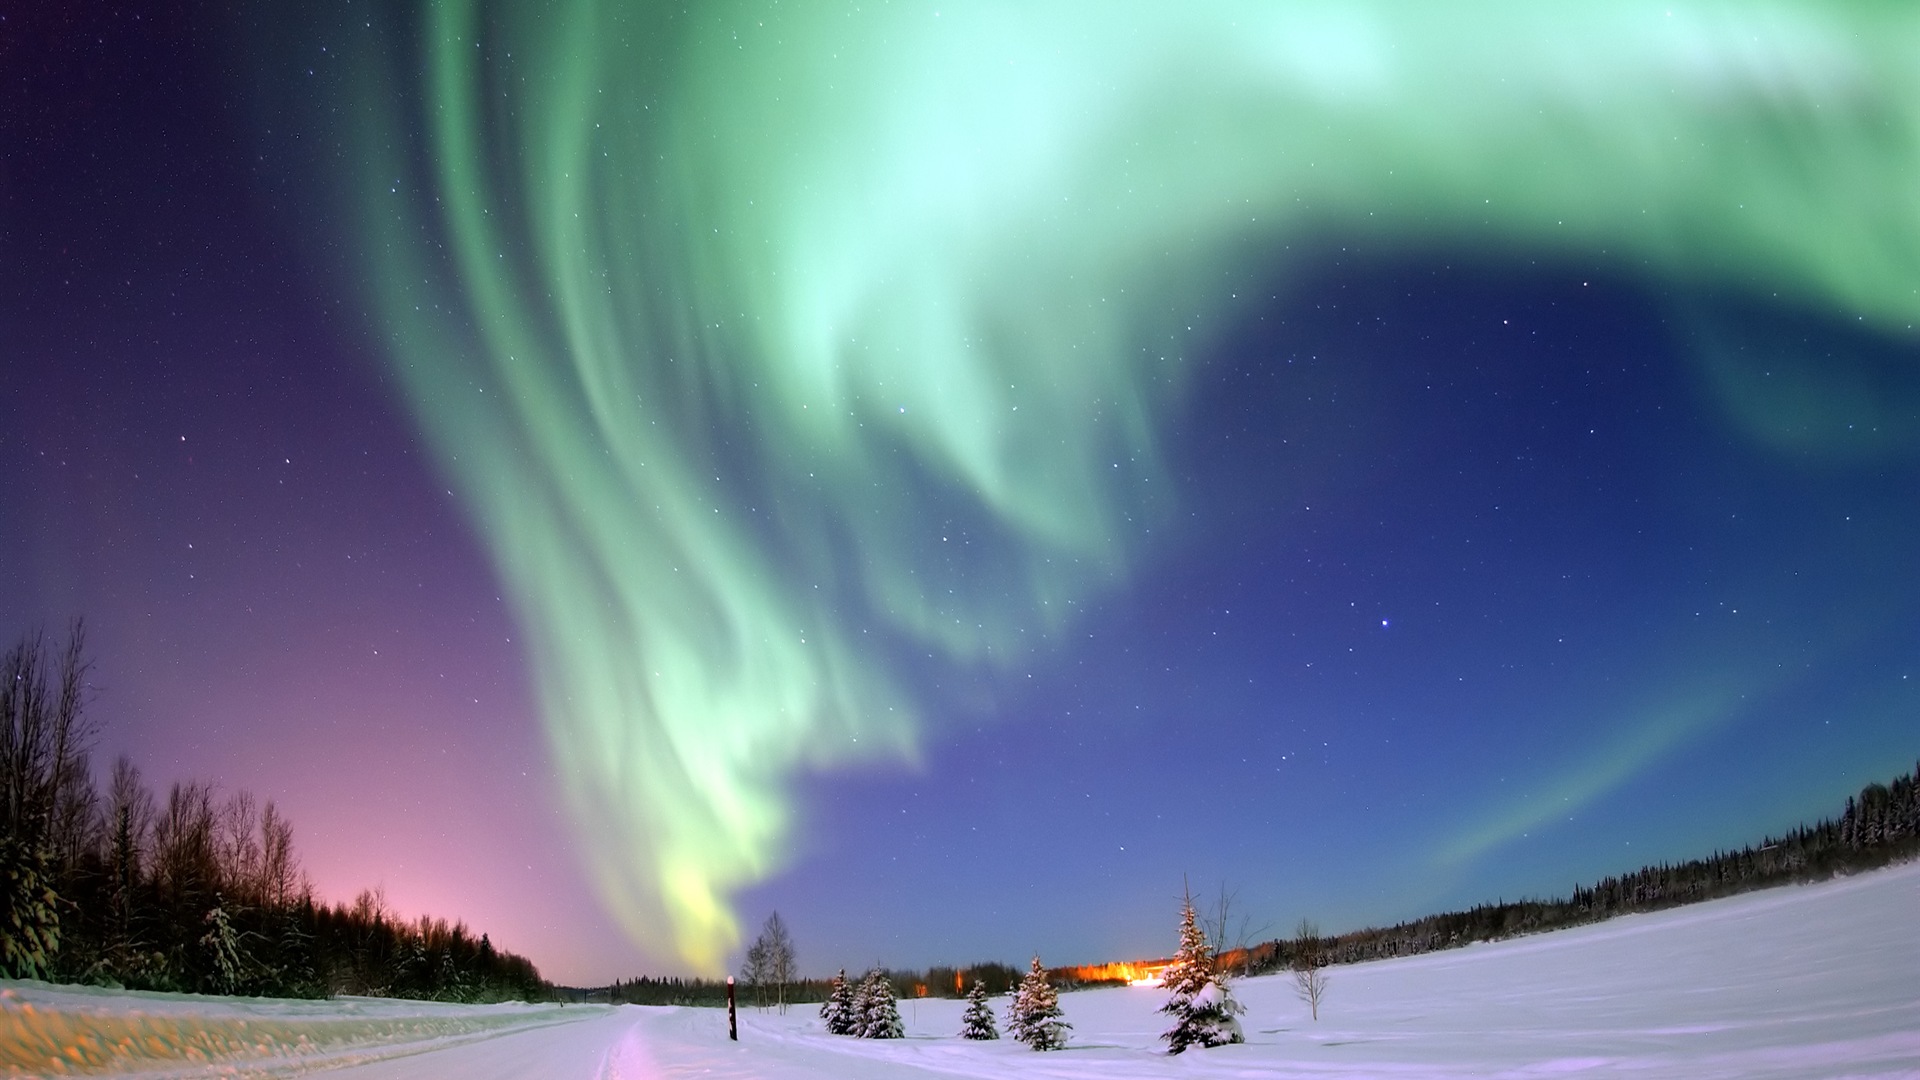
point(769, 978)
point(194, 892)
point(1878, 827)
point(937, 982)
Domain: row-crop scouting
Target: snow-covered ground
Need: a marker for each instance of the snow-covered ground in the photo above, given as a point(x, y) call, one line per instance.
point(1819, 980)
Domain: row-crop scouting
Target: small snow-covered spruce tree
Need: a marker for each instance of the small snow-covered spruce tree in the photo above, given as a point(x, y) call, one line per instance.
point(29, 908)
point(879, 1016)
point(863, 1004)
point(1034, 1017)
point(838, 1012)
point(1202, 1007)
point(857, 1006)
point(222, 943)
point(978, 1023)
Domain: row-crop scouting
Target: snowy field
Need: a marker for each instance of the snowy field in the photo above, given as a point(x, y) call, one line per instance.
point(1820, 980)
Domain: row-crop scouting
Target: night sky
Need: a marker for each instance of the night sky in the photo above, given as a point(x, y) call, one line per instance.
point(951, 476)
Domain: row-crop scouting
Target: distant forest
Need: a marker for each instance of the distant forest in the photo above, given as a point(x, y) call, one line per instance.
point(933, 982)
point(194, 893)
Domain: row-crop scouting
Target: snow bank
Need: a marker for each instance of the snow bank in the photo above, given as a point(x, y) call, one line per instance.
point(68, 1030)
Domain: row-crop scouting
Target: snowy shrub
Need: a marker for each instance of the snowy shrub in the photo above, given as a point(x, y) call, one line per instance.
point(1034, 1017)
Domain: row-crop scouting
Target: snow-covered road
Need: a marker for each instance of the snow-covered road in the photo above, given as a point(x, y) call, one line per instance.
point(1813, 981)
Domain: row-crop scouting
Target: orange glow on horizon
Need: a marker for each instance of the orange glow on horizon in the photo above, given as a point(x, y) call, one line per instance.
point(1131, 972)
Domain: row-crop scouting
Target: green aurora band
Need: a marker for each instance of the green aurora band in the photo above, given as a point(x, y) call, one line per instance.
point(770, 345)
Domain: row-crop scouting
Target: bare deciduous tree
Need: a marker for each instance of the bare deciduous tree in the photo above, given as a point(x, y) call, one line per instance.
point(186, 861)
point(130, 816)
point(370, 906)
point(753, 970)
point(76, 824)
point(129, 827)
point(239, 847)
point(1230, 929)
point(43, 734)
point(769, 965)
point(1309, 965)
point(279, 870)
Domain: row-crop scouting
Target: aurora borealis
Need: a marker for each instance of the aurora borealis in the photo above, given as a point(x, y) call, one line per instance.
point(1438, 428)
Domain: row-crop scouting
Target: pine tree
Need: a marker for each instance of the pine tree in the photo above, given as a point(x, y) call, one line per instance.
point(878, 1015)
point(857, 1009)
point(29, 910)
point(838, 1013)
point(222, 941)
point(410, 965)
point(978, 1023)
point(1202, 1007)
point(449, 984)
point(1034, 1017)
